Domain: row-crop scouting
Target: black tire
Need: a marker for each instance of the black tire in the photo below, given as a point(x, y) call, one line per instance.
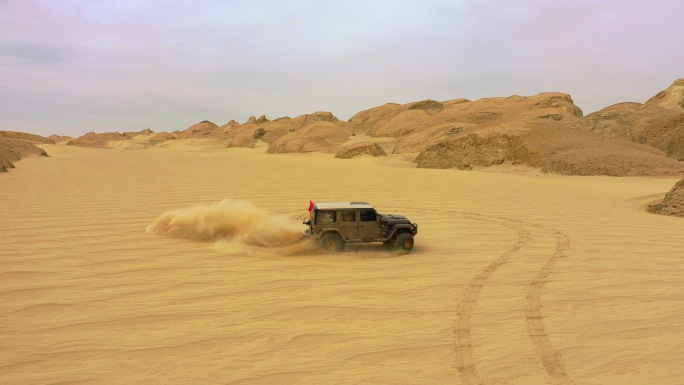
point(404, 242)
point(332, 243)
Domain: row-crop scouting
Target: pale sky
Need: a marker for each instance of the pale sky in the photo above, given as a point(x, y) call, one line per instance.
point(69, 67)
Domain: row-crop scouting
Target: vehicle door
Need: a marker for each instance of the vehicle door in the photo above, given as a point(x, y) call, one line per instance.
point(369, 228)
point(348, 224)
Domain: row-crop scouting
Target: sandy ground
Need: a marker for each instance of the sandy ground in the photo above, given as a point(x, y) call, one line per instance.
point(516, 278)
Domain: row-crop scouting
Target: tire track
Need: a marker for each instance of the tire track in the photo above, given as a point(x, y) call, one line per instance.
point(535, 319)
point(465, 359)
point(550, 358)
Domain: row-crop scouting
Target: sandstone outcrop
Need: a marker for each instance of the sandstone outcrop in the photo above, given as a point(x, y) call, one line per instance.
point(673, 203)
point(360, 149)
point(658, 123)
point(17, 145)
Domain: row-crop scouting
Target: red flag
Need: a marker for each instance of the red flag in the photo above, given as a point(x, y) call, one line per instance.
point(311, 205)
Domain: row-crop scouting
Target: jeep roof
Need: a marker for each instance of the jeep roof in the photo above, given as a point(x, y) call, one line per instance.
point(342, 205)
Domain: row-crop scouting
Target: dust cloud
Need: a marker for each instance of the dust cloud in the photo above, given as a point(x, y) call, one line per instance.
point(233, 225)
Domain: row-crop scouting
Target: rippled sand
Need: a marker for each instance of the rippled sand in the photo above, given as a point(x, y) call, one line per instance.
point(515, 278)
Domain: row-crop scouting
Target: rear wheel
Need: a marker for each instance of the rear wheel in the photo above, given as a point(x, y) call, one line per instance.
point(332, 243)
point(404, 241)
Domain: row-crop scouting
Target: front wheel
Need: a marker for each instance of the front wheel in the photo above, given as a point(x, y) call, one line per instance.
point(332, 243)
point(404, 241)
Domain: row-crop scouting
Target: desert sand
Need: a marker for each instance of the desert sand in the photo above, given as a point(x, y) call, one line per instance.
point(175, 265)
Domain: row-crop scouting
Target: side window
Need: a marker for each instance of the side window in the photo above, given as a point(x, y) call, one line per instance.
point(367, 216)
point(327, 216)
point(348, 216)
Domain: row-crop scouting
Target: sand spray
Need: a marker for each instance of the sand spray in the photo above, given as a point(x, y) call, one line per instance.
point(235, 226)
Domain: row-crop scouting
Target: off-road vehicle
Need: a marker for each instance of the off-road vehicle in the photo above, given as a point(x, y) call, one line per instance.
point(335, 224)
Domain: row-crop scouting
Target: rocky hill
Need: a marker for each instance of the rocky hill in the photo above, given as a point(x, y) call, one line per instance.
point(17, 145)
point(533, 131)
point(545, 131)
point(104, 140)
point(554, 150)
point(418, 125)
point(659, 122)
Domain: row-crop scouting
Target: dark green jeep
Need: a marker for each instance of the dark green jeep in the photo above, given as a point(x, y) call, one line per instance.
point(337, 223)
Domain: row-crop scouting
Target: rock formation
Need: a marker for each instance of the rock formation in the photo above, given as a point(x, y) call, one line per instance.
point(673, 203)
point(359, 149)
point(658, 123)
point(17, 145)
point(545, 131)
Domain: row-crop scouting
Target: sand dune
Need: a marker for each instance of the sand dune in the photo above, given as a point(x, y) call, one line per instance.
point(514, 279)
